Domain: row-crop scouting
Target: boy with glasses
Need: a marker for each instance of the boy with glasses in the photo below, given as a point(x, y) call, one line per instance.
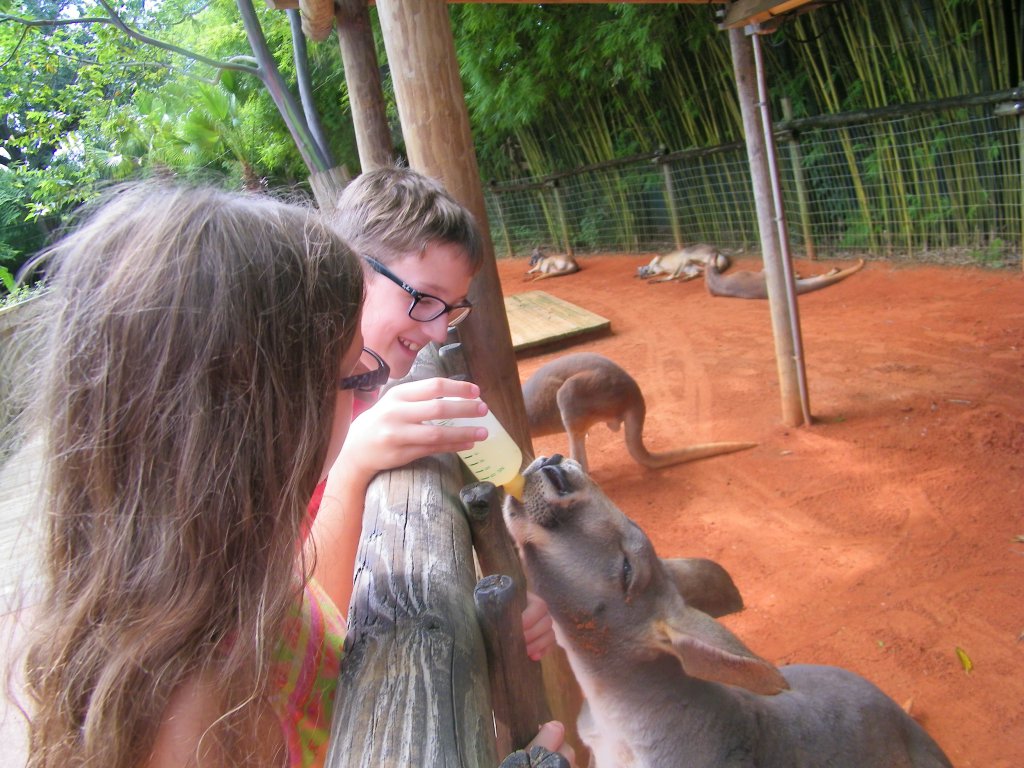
point(420, 250)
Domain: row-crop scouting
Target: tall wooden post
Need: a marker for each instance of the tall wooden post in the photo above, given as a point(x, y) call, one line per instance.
point(362, 75)
point(438, 140)
point(435, 124)
point(670, 196)
point(771, 254)
point(502, 222)
point(563, 222)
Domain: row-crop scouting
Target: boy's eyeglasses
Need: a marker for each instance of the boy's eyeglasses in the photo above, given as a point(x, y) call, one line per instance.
point(375, 373)
point(424, 307)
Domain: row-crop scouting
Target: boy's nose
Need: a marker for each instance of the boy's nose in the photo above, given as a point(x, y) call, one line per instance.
point(437, 329)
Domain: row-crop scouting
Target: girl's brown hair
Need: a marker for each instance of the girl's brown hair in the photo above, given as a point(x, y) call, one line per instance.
point(193, 343)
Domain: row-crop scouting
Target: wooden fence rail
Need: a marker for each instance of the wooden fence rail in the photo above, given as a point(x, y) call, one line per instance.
point(414, 688)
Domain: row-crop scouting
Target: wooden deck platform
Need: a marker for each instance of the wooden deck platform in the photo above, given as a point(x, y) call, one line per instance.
point(536, 318)
point(20, 531)
point(19, 527)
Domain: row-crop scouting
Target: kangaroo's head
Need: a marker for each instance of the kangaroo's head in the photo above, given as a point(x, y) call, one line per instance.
point(611, 598)
point(595, 568)
point(649, 270)
point(536, 256)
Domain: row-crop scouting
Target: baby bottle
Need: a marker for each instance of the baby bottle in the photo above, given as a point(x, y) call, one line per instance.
point(497, 459)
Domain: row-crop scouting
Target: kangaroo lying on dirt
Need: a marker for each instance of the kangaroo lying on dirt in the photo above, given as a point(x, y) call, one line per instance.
point(574, 392)
point(684, 264)
point(550, 266)
point(666, 685)
point(753, 285)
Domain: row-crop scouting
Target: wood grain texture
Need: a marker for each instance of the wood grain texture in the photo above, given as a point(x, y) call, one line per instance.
point(413, 688)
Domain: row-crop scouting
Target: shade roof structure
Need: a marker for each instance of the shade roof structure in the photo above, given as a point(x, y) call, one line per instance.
point(318, 15)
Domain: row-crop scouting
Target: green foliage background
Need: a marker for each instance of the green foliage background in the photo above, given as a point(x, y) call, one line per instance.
point(549, 87)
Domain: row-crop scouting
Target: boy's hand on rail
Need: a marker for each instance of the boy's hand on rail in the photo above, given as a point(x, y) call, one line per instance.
point(397, 430)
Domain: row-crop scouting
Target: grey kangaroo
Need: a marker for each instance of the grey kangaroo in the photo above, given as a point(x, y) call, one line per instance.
point(542, 266)
point(743, 284)
point(685, 264)
point(574, 392)
point(666, 685)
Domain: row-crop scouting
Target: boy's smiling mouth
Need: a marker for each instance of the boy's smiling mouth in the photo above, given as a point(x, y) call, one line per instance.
point(409, 345)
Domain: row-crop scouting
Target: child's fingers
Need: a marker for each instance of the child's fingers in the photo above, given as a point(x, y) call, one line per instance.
point(536, 616)
point(423, 439)
point(551, 737)
point(538, 627)
point(440, 410)
point(430, 389)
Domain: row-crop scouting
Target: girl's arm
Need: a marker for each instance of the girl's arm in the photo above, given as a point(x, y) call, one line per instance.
point(390, 434)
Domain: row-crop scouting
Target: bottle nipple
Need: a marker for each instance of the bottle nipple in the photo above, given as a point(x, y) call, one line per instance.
point(514, 487)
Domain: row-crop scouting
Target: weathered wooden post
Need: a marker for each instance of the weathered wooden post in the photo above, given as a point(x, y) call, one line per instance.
point(562, 221)
point(517, 684)
point(413, 690)
point(781, 300)
point(362, 76)
point(435, 124)
point(670, 195)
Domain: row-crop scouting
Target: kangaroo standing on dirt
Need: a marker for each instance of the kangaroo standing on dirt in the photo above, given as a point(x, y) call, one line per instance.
point(574, 392)
point(550, 266)
point(666, 685)
point(753, 285)
point(685, 264)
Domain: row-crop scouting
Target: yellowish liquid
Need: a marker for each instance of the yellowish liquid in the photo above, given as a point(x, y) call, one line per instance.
point(496, 459)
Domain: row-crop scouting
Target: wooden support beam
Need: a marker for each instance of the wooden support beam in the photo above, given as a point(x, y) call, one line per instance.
point(745, 12)
point(439, 143)
point(282, 5)
point(365, 92)
point(771, 252)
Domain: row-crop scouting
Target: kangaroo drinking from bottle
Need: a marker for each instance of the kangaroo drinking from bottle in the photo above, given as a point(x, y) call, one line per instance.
point(666, 685)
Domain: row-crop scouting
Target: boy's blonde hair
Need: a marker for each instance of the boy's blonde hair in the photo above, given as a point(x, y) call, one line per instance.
point(391, 212)
point(193, 342)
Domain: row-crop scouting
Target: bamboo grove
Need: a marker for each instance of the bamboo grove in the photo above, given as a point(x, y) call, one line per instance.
point(943, 175)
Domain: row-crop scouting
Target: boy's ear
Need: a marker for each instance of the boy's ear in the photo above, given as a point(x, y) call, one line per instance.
point(709, 651)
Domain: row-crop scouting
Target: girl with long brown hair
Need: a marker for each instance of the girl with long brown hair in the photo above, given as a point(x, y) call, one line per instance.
point(197, 351)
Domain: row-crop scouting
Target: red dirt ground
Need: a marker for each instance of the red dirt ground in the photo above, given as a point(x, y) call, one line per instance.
point(883, 538)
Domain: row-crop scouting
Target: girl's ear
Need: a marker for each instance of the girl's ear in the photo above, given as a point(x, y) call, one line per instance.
point(709, 651)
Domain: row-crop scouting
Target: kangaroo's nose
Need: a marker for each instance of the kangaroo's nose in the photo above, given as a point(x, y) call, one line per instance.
point(553, 470)
point(555, 458)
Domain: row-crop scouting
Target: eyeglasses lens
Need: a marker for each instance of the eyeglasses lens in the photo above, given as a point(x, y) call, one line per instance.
point(371, 372)
point(427, 308)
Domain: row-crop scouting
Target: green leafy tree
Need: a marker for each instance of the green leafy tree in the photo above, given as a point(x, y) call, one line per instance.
point(90, 97)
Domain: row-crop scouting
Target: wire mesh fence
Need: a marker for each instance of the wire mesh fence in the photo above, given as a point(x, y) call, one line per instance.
point(933, 184)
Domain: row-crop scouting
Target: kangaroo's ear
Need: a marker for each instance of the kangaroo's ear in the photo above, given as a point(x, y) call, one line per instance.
point(709, 651)
point(704, 585)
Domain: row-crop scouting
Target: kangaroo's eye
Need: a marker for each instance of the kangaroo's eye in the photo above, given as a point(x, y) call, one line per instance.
point(627, 574)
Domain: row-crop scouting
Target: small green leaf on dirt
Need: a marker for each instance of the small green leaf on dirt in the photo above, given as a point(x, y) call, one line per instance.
point(965, 660)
